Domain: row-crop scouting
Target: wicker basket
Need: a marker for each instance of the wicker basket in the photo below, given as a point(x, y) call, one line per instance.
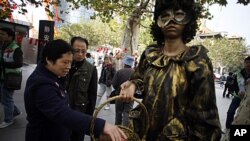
point(131, 135)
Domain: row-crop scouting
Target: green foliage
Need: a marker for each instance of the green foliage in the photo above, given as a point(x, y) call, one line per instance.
point(95, 31)
point(226, 53)
point(106, 9)
point(99, 33)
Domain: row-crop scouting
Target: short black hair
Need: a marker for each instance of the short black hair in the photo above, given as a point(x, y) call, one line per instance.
point(54, 50)
point(247, 59)
point(108, 56)
point(79, 39)
point(88, 55)
point(9, 32)
point(188, 6)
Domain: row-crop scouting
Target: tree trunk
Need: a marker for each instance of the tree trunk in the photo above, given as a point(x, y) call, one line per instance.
point(130, 39)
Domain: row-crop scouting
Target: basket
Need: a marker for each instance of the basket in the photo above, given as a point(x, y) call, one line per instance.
point(131, 135)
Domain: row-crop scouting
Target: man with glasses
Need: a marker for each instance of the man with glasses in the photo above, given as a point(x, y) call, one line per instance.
point(81, 82)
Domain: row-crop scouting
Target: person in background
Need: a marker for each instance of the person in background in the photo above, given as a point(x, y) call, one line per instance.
point(100, 61)
point(45, 98)
point(242, 78)
point(113, 62)
point(243, 112)
point(105, 80)
point(122, 108)
point(229, 85)
point(81, 82)
point(11, 60)
point(118, 60)
point(176, 80)
point(89, 58)
point(111, 54)
point(222, 80)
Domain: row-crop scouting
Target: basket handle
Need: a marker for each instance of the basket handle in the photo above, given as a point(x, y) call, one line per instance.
point(92, 124)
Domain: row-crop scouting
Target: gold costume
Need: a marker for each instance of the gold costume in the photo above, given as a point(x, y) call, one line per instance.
point(179, 94)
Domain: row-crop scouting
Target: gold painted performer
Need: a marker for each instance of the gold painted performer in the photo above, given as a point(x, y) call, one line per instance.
point(176, 80)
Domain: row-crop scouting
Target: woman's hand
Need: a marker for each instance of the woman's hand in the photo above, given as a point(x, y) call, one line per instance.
point(112, 133)
point(127, 91)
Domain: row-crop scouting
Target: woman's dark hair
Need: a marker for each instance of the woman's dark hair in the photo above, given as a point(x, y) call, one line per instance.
point(247, 59)
point(230, 73)
point(54, 50)
point(188, 6)
point(79, 39)
point(109, 57)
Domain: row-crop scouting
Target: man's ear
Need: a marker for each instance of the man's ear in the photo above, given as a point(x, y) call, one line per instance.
point(48, 61)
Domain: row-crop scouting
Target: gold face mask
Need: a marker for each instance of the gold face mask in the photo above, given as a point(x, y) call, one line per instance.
point(177, 16)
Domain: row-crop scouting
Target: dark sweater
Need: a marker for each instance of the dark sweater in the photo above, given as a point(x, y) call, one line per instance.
point(120, 77)
point(49, 117)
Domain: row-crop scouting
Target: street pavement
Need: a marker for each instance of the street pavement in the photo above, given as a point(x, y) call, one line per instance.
point(16, 132)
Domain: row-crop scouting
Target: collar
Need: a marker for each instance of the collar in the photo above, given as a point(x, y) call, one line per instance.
point(156, 57)
point(78, 64)
point(41, 67)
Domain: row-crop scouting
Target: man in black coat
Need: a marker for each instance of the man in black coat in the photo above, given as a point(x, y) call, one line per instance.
point(229, 85)
point(122, 108)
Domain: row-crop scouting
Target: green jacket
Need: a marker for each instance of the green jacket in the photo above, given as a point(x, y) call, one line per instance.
point(82, 88)
point(11, 59)
point(179, 94)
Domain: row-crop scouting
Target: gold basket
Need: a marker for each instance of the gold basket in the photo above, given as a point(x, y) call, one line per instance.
point(131, 135)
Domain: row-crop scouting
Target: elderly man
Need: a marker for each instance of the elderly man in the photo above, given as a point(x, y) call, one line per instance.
point(82, 82)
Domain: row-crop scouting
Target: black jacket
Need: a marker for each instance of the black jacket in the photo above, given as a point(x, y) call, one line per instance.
point(49, 117)
point(121, 76)
point(107, 74)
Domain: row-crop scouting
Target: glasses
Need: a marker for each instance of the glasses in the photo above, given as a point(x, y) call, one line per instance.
point(80, 51)
point(178, 16)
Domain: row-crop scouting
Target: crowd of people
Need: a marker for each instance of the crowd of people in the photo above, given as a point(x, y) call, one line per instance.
point(175, 82)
